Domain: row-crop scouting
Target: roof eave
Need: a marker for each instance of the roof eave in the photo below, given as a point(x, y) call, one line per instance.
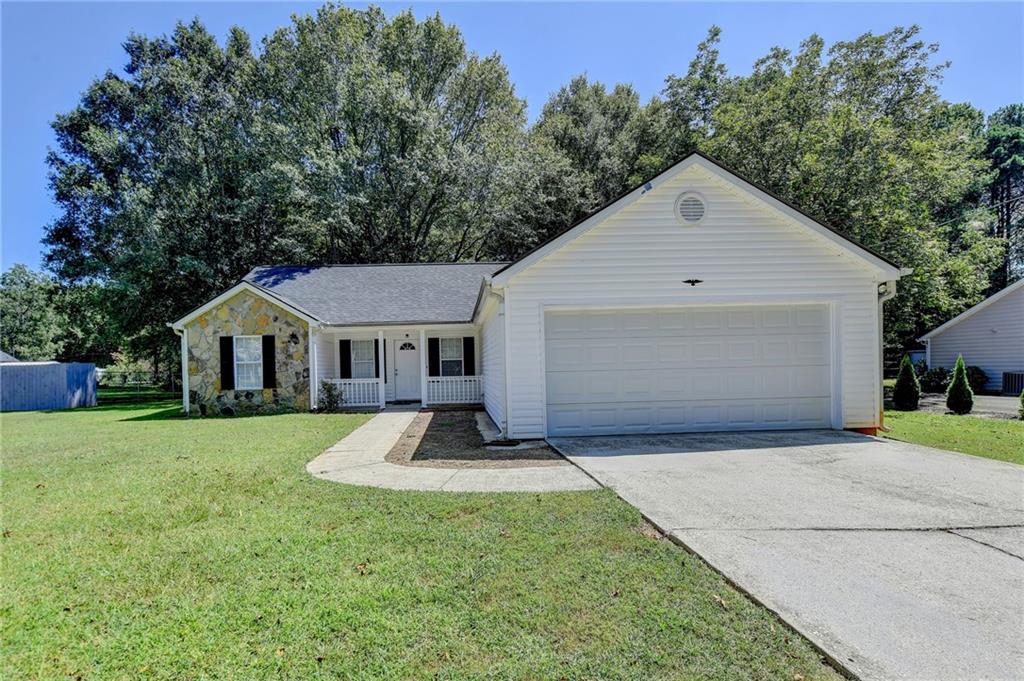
point(971, 311)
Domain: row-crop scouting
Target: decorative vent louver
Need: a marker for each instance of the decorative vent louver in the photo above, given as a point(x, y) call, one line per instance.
point(690, 208)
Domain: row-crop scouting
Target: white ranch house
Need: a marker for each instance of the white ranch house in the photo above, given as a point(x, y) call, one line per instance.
point(695, 302)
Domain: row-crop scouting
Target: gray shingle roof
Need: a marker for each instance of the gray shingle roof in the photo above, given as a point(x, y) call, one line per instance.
point(4, 357)
point(378, 294)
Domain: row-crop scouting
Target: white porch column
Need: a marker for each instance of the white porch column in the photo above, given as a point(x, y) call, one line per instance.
point(184, 370)
point(423, 367)
point(380, 366)
point(314, 379)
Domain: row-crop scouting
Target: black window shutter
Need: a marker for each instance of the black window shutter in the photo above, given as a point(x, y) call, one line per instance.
point(227, 363)
point(346, 358)
point(376, 360)
point(433, 357)
point(468, 356)
point(269, 362)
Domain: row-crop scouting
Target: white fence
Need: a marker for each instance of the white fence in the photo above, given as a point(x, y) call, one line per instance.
point(358, 392)
point(455, 389)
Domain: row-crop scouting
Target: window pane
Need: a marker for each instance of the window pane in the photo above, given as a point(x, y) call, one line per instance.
point(248, 349)
point(451, 348)
point(362, 350)
point(363, 370)
point(248, 375)
point(451, 367)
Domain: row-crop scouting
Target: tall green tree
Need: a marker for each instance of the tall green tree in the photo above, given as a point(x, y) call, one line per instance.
point(351, 138)
point(1004, 149)
point(30, 324)
point(861, 140)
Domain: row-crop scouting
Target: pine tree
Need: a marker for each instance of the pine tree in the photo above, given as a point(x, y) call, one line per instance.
point(959, 396)
point(907, 392)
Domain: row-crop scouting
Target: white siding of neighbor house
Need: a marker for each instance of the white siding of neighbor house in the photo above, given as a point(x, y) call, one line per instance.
point(992, 338)
point(492, 336)
point(744, 252)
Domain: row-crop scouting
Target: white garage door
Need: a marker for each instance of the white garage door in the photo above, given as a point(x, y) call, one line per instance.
point(687, 369)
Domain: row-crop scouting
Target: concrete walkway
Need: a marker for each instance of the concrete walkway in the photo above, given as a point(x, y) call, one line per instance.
point(358, 459)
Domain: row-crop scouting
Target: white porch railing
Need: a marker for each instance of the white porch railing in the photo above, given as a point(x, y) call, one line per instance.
point(357, 392)
point(455, 389)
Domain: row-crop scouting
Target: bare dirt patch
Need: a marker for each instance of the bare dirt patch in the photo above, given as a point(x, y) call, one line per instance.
point(450, 439)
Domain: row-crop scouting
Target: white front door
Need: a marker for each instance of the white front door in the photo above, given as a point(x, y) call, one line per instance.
point(407, 370)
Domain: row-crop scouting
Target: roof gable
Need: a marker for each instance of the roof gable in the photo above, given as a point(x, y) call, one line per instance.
point(1010, 290)
point(791, 215)
point(241, 286)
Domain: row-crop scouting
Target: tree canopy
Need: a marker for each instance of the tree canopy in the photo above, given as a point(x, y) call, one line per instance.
point(349, 136)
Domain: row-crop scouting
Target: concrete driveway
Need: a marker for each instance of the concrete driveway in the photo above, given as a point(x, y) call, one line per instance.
point(899, 561)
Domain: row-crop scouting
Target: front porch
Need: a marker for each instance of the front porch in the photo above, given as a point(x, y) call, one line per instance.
point(371, 367)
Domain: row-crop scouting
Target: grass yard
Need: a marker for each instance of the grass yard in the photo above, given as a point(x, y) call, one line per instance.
point(141, 545)
point(1001, 439)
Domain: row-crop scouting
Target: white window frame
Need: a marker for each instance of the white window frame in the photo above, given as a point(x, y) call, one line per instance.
point(259, 372)
point(442, 359)
point(372, 362)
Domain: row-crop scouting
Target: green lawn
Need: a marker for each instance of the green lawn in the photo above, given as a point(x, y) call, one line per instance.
point(1001, 439)
point(142, 545)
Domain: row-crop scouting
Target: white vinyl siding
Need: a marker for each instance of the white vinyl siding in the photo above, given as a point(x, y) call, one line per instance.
point(744, 253)
point(248, 362)
point(992, 338)
point(492, 359)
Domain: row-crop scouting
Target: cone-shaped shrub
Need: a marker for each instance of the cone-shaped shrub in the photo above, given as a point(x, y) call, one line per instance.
point(960, 397)
point(907, 392)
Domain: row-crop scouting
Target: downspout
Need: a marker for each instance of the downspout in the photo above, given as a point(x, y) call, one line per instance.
point(183, 334)
point(500, 294)
point(886, 291)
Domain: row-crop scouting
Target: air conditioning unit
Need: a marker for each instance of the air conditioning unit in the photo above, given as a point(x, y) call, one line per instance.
point(1013, 382)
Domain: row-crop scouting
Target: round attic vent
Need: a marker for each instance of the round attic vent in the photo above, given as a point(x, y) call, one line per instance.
point(690, 208)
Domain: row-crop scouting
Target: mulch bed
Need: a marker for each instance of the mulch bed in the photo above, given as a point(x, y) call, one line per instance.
point(450, 439)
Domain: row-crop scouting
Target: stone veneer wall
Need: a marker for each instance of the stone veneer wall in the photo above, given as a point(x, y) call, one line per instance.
point(248, 315)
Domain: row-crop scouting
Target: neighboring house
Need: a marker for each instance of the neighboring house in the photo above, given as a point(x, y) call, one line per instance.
point(5, 358)
point(990, 335)
point(694, 302)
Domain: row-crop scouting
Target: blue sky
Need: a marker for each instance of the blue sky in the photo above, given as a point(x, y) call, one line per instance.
point(51, 51)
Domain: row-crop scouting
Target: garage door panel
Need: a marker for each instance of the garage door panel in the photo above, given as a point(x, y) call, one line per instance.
point(627, 385)
point(671, 370)
point(639, 354)
point(710, 416)
point(676, 323)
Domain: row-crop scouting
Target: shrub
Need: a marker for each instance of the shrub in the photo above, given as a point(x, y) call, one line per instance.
point(330, 397)
point(960, 397)
point(907, 392)
point(976, 378)
point(935, 380)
